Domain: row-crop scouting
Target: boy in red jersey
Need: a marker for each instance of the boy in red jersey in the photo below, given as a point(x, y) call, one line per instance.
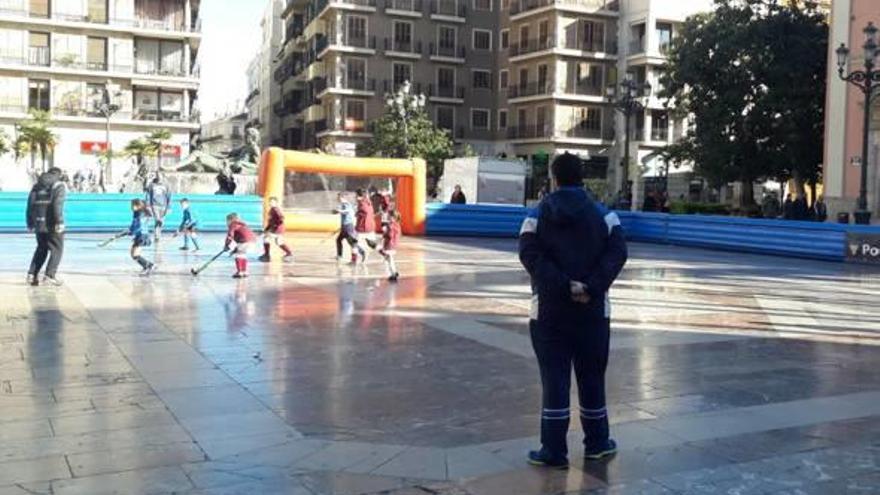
point(239, 238)
point(390, 239)
point(365, 221)
point(274, 233)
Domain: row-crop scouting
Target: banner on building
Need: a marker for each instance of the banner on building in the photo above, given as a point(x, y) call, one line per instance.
point(92, 147)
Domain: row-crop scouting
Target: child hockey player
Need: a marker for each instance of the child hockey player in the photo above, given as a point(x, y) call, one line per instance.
point(365, 226)
point(158, 198)
point(390, 239)
point(239, 239)
point(274, 233)
point(347, 231)
point(140, 236)
point(187, 227)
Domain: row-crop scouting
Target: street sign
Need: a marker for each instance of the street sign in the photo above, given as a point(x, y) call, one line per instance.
point(863, 248)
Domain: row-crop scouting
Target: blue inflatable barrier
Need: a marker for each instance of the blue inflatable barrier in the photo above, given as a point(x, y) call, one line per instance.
point(112, 212)
point(823, 241)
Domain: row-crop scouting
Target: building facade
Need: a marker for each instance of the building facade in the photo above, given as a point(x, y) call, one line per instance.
point(61, 55)
point(224, 134)
point(844, 113)
point(262, 93)
point(525, 78)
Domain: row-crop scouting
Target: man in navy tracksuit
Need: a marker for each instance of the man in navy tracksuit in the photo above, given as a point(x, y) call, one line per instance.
point(573, 249)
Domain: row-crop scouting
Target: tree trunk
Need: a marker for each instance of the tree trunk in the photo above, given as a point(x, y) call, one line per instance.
point(747, 194)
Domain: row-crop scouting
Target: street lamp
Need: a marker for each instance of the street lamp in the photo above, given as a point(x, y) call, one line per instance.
point(106, 107)
point(867, 80)
point(628, 102)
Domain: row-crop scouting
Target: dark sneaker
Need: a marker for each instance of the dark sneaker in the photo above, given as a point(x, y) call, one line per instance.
point(288, 258)
point(184, 248)
point(265, 258)
point(240, 275)
point(33, 280)
point(543, 458)
point(600, 452)
point(52, 281)
point(146, 272)
point(394, 278)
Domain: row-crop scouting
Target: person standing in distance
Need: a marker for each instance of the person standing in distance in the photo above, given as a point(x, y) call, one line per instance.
point(458, 197)
point(158, 204)
point(573, 249)
point(45, 217)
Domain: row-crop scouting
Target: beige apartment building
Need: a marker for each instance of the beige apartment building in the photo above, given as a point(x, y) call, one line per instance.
point(262, 92)
point(61, 56)
point(525, 78)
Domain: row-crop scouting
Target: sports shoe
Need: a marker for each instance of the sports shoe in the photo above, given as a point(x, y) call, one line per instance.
point(33, 280)
point(240, 275)
point(543, 458)
point(288, 258)
point(602, 451)
point(184, 248)
point(146, 272)
point(394, 278)
point(52, 281)
point(265, 258)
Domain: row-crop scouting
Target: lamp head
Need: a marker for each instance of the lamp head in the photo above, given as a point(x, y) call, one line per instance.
point(647, 90)
point(842, 57)
point(871, 33)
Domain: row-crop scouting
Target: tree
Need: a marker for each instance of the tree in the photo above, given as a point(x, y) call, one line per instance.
point(751, 76)
point(35, 135)
point(406, 131)
point(156, 141)
point(5, 145)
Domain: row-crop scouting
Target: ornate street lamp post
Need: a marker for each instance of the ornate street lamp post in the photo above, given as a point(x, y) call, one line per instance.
point(629, 103)
point(106, 108)
point(867, 80)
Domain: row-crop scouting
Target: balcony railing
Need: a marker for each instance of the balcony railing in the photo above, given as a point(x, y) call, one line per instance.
point(413, 47)
point(158, 116)
point(522, 47)
point(38, 56)
point(575, 88)
point(448, 51)
point(404, 5)
point(446, 91)
point(636, 47)
point(584, 132)
point(520, 6)
point(346, 40)
point(533, 88)
point(160, 71)
point(608, 46)
point(152, 24)
point(350, 84)
point(529, 131)
point(449, 8)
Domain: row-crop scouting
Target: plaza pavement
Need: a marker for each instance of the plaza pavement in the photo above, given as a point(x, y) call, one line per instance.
point(729, 373)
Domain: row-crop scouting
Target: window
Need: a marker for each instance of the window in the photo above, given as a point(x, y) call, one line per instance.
point(543, 78)
point(38, 94)
point(356, 31)
point(355, 73)
point(445, 77)
point(504, 39)
point(588, 79)
point(38, 49)
point(541, 121)
point(96, 55)
point(355, 115)
point(543, 31)
point(592, 36)
point(482, 79)
point(637, 38)
point(664, 37)
point(445, 117)
point(151, 104)
point(479, 118)
point(659, 125)
point(588, 119)
point(39, 8)
point(482, 39)
point(158, 57)
point(94, 97)
point(523, 78)
point(502, 79)
point(97, 11)
point(502, 119)
point(482, 4)
point(522, 117)
point(524, 38)
point(401, 73)
point(403, 36)
point(446, 40)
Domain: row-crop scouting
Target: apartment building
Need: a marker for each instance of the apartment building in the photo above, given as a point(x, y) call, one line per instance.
point(526, 78)
point(62, 55)
point(262, 93)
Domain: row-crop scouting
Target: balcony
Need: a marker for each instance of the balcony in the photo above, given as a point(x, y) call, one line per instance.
point(170, 24)
point(345, 84)
point(160, 116)
point(523, 47)
point(38, 56)
point(162, 70)
point(608, 46)
point(319, 6)
point(583, 89)
point(524, 6)
point(529, 131)
point(449, 9)
point(534, 88)
point(344, 43)
point(447, 92)
point(636, 47)
point(410, 48)
point(483, 134)
point(404, 7)
point(448, 52)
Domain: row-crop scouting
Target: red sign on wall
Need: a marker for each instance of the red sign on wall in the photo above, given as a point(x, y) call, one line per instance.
point(171, 150)
point(92, 147)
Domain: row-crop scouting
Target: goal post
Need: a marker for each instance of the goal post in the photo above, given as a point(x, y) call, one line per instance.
point(409, 174)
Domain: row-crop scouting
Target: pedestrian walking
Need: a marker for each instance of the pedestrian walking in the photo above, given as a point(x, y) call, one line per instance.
point(820, 210)
point(45, 218)
point(573, 249)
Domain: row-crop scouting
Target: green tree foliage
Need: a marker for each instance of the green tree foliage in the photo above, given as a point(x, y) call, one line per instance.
point(406, 131)
point(752, 76)
point(33, 136)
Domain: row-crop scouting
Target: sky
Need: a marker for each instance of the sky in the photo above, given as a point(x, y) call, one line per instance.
point(230, 38)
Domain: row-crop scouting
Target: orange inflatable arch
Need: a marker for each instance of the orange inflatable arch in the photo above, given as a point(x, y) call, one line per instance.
point(410, 192)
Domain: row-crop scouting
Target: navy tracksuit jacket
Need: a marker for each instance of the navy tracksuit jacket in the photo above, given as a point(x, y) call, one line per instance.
point(570, 237)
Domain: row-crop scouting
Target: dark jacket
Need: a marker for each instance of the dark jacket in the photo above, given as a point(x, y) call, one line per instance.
point(570, 237)
point(45, 207)
point(458, 198)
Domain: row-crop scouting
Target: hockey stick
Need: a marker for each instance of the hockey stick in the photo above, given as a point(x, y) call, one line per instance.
point(196, 271)
point(115, 237)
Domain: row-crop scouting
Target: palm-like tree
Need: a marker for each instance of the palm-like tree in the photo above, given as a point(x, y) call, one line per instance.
point(156, 141)
point(139, 149)
point(35, 134)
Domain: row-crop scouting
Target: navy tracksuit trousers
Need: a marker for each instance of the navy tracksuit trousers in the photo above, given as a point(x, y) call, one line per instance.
point(583, 345)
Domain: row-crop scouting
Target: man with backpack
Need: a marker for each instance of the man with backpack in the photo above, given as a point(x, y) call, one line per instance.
point(45, 217)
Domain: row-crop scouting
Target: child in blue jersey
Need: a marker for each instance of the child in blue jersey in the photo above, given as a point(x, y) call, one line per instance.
point(188, 227)
point(347, 230)
point(140, 236)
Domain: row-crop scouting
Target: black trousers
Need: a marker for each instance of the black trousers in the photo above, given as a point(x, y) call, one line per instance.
point(349, 236)
point(49, 245)
point(583, 343)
